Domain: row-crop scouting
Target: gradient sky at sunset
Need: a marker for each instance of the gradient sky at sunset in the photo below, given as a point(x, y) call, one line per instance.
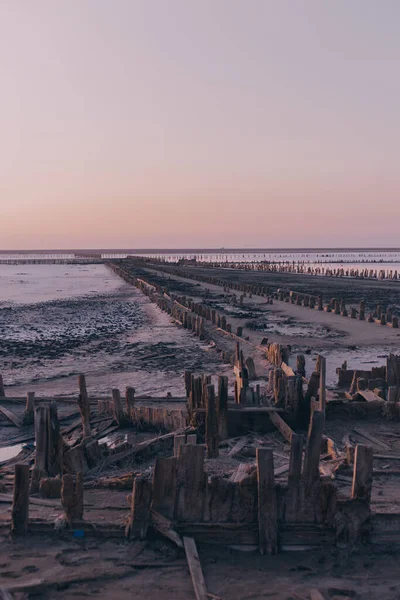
point(199, 123)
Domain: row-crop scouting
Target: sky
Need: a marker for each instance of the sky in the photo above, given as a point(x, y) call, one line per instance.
point(199, 123)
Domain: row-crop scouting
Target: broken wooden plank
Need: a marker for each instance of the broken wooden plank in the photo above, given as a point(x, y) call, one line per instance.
point(369, 396)
point(372, 439)
point(11, 417)
point(164, 527)
point(195, 569)
point(240, 444)
point(282, 426)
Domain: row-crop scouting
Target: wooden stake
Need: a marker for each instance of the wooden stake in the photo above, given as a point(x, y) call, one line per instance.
point(140, 509)
point(130, 400)
point(29, 413)
point(322, 383)
point(222, 407)
point(164, 486)
point(195, 569)
point(72, 497)
point(20, 506)
point(292, 497)
point(117, 407)
point(362, 475)
point(267, 502)
point(313, 449)
point(84, 406)
point(2, 390)
point(179, 441)
point(212, 441)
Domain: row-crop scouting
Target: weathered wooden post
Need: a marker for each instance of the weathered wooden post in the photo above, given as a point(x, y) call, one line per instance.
point(84, 406)
point(267, 502)
point(72, 497)
point(222, 407)
point(2, 390)
point(20, 505)
point(362, 474)
point(179, 440)
point(140, 509)
point(313, 448)
point(130, 400)
point(29, 412)
point(294, 477)
point(301, 365)
point(212, 441)
point(322, 383)
point(188, 382)
point(117, 407)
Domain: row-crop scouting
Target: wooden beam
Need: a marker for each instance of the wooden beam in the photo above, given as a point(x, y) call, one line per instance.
point(282, 426)
point(195, 569)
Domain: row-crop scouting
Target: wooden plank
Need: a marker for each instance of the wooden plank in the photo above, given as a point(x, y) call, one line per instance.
point(287, 370)
point(140, 509)
point(11, 417)
point(191, 481)
point(164, 486)
point(240, 473)
point(164, 527)
point(372, 439)
point(195, 569)
point(282, 426)
point(369, 396)
point(316, 595)
point(240, 444)
point(267, 502)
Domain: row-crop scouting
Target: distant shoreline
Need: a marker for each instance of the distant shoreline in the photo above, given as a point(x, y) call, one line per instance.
point(194, 250)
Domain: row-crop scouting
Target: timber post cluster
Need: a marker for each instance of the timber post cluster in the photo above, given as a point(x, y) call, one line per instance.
point(334, 305)
point(300, 268)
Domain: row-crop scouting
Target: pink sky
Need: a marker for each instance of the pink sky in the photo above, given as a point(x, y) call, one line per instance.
point(199, 123)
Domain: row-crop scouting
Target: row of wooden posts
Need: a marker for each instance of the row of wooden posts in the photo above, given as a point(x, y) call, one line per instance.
point(300, 267)
point(334, 305)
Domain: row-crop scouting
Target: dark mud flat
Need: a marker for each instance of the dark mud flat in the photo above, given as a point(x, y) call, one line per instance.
point(117, 339)
point(352, 291)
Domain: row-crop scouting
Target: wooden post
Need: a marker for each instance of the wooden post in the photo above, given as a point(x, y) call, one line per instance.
point(117, 407)
point(2, 390)
point(140, 509)
point(292, 497)
point(72, 497)
point(84, 406)
point(362, 474)
point(301, 365)
point(130, 400)
point(313, 449)
point(191, 484)
point(322, 384)
point(41, 440)
point(392, 394)
point(29, 413)
point(267, 502)
point(164, 486)
point(179, 440)
point(188, 382)
point(211, 424)
point(222, 407)
point(20, 505)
